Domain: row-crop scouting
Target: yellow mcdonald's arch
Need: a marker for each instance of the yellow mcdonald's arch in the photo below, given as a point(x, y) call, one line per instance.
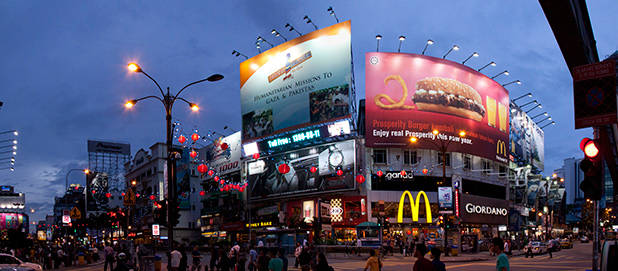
point(414, 206)
point(501, 147)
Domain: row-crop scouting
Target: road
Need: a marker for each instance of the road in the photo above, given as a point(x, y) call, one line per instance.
point(577, 258)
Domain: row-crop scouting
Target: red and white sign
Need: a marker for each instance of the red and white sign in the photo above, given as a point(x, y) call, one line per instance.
point(457, 202)
point(66, 219)
point(155, 230)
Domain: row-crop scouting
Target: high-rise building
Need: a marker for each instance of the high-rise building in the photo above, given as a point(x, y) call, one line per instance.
point(573, 176)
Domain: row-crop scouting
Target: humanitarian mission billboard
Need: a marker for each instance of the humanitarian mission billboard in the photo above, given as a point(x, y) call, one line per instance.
point(301, 82)
point(411, 95)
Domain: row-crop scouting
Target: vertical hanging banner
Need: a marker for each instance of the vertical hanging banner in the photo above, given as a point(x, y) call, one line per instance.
point(302, 82)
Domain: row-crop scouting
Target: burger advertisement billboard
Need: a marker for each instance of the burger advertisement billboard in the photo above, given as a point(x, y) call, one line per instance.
point(302, 82)
point(411, 95)
point(527, 140)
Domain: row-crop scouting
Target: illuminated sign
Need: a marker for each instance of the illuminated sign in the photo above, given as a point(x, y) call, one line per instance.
point(336, 210)
point(66, 219)
point(457, 202)
point(155, 229)
point(294, 138)
point(485, 210)
point(414, 205)
point(308, 211)
point(259, 224)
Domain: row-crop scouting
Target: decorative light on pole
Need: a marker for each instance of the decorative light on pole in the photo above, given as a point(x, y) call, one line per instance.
point(237, 53)
point(401, 39)
point(512, 82)
point(529, 95)
point(291, 28)
point(309, 21)
point(493, 64)
point(475, 54)
point(378, 38)
point(277, 34)
point(454, 48)
point(429, 42)
point(505, 72)
point(331, 11)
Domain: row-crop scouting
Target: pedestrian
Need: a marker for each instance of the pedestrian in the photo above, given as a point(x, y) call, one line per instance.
point(275, 263)
point(550, 247)
point(422, 263)
point(506, 248)
point(196, 258)
point(253, 255)
point(184, 262)
point(174, 260)
point(322, 264)
point(283, 258)
point(214, 256)
point(502, 261)
point(359, 245)
point(263, 260)
point(437, 264)
point(529, 250)
point(297, 252)
point(224, 263)
point(305, 260)
point(373, 263)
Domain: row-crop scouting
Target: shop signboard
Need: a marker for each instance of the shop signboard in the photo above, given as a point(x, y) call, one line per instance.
point(445, 197)
point(414, 205)
point(527, 139)
point(395, 181)
point(411, 95)
point(308, 211)
point(66, 219)
point(41, 235)
point(302, 82)
point(483, 210)
point(222, 160)
point(155, 230)
point(312, 169)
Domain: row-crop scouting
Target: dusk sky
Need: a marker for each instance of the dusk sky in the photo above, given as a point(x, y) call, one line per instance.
point(65, 79)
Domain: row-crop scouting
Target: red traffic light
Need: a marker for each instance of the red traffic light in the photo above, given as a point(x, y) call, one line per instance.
point(589, 147)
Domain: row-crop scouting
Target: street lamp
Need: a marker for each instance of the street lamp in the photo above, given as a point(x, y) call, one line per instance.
point(15, 133)
point(544, 113)
point(237, 53)
point(291, 28)
point(309, 21)
point(66, 181)
point(331, 11)
point(513, 82)
point(493, 64)
point(529, 95)
point(532, 102)
point(551, 123)
point(401, 39)
point(277, 34)
point(504, 72)
point(260, 39)
point(429, 42)
point(378, 38)
point(537, 106)
point(168, 100)
point(454, 48)
point(475, 54)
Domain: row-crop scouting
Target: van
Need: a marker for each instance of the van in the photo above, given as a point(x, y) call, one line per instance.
point(609, 255)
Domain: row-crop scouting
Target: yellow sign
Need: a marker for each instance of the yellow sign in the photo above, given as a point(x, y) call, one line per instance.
point(75, 213)
point(259, 224)
point(501, 147)
point(129, 198)
point(414, 205)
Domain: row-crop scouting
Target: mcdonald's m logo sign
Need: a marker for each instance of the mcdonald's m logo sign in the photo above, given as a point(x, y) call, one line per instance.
point(414, 205)
point(501, 148)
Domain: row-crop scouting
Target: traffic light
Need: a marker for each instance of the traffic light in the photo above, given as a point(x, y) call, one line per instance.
point(160, 212)
point(592, 166)
point(175, 215)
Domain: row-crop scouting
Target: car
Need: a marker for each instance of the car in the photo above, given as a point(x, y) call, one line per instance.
point(10, 262)
point(566, 243)
point(538, 247)
point(584, 239)
point(609, 255)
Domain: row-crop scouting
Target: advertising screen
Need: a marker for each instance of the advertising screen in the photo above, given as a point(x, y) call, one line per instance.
point(301, 82)
point(12, 221)
point(411, 95)
point(223, 160)
point(324, 160)
point(445, 197)
point(527, 140)
point(183, 180)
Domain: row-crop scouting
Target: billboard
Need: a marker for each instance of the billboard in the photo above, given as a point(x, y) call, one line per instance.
point(411, 95)
point(324, 160)
point(97, 188)
point(223, 161)
point(445, 197)
point(12, 221)
point(109, 147)
point(301, 82)
point(183, 180)
point(527, 140)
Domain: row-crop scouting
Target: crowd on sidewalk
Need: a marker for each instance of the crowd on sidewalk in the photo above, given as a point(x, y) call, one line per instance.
point(54, 256)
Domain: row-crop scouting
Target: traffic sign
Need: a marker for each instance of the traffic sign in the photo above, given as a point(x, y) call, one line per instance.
point(129, 198)
point(75, 213)
point(594, 93)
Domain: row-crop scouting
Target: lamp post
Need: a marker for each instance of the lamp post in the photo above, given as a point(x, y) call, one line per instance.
point(66, 179)
point(168, 99)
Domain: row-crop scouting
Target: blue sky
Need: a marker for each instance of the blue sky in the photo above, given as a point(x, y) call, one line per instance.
point(65, 79)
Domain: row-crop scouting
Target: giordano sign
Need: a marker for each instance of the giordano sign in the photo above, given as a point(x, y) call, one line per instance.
point(414, 205)
point(485, 210)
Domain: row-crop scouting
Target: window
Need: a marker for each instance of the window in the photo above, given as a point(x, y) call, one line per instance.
point(486, 166)
point(448, 159)
point(379, 157)
point(502, 170)
point(409, 157)
point(467, 162)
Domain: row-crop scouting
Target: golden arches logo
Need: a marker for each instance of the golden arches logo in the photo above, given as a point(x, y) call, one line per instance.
point(501, 147)
point(414, 205)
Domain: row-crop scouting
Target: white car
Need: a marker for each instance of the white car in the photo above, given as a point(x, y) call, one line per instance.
point(11, 262)
point(538, 247)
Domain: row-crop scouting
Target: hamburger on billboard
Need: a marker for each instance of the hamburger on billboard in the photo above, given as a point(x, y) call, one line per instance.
point(411, 95)
point(302, 82)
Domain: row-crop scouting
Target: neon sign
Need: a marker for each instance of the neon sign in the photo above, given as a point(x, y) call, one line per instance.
point(294, 138)
point(414, 205)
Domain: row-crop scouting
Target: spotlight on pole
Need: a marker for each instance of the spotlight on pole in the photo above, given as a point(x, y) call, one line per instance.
point(429, 42)
point(331, 11)
point(401, 39)
point(529, 95)
point(454, 48)
point(237, 53)
point(309, 21)
point(537, 106)
point(257, 45)
point(378, 38)
point(551, 123)
point(504, 72)
point(547, 118)
point(544, 113)
point(532, 102)
point(291, 28)
point(475, 54)
point(277, 34)
point(260, 39)
point(513, 82)
point(493, 64)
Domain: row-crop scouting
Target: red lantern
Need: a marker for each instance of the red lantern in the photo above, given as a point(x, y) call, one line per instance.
point(313, 169)
point(403, 173)
point(425, 171)
point(224, 146)
point(339, 172)
point(284, 168)
point(222, 181)
point(93, 192)
point(193, 154)
point(379, 173)
point(242, 189)
point(256, 155)
point(202, 193)
point(221, 189)
point(195, 137)
point(409, 232)
point(216, 178)
point(108, 195)
point(210, 172)
point(137, 195)
point(360, 178)
point(182, 139)
point(122, 194)
point(202, 168)
point(77, 187)
point(152, 197)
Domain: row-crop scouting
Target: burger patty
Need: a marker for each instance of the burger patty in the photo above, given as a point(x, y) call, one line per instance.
point(443, 98)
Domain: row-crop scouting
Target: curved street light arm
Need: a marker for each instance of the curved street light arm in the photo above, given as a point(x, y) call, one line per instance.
point(155, 81)
point(188, 85)
point(150, 97)
point(183, 99)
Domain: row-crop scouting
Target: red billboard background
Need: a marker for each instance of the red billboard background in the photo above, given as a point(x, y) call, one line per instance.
point(411, 95)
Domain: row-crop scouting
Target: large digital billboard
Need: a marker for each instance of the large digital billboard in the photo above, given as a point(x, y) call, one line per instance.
point(312, 169)
point(301, 82)
point(527, 140)
point(223, 160)
point(411, 95)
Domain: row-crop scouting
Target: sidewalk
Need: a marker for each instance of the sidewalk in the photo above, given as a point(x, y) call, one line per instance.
point(481, 256)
